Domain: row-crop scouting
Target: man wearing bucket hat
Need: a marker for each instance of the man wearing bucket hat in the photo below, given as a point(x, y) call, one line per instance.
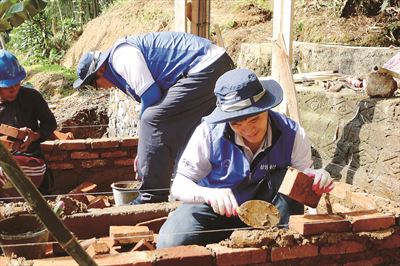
point(172, 74)
point(24, 108)
point(240, 152)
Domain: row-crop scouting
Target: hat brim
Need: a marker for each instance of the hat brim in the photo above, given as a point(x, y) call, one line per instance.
point(89, 78)
point(272, 97)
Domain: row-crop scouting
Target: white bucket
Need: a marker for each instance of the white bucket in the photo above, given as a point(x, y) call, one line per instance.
point(125, 191)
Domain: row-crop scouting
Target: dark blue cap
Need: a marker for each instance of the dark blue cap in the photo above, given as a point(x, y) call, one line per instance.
point(88, 66)
point(241, 94)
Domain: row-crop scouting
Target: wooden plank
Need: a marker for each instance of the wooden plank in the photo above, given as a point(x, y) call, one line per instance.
point(180, 15)
point(220, 41)
point(305, 77)
point(282, 24)
point(285, 78)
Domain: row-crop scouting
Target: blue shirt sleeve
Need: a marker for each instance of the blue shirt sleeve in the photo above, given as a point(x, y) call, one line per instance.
point(150, 96)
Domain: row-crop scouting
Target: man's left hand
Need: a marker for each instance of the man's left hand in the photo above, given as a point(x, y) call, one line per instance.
point(31, 136)
point(323, 183)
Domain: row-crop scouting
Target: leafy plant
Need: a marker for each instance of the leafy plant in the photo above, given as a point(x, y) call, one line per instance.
point(47, 36)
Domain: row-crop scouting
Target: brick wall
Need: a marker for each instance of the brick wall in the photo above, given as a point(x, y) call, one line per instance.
point(100, 161)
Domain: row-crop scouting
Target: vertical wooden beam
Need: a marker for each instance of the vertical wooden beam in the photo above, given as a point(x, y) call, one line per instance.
point(283, 23)
point(180, 15)
point(200, 18)
point(282, 26)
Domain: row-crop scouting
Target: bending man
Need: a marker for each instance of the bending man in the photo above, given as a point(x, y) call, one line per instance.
point(172, 74)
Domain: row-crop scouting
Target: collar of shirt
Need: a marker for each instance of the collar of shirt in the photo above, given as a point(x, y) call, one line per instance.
point(265, 144)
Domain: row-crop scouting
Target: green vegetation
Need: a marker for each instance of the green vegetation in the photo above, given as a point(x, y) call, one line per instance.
point(69, 74)
point(45, 37)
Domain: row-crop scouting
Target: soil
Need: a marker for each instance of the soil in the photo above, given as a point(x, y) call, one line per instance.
point(240, 22)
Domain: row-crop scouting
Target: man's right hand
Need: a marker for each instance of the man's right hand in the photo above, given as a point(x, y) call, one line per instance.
point(221, 200)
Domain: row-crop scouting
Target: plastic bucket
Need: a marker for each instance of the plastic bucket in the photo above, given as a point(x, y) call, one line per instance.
point(125, 191)
point(25, 231)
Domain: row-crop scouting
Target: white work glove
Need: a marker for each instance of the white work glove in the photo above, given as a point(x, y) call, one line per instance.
point(221, 200)
point(323, 183)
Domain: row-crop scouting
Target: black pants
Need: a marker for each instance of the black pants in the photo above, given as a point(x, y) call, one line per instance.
point(166, 127)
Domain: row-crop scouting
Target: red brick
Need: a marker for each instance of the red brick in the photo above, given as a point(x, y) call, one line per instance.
point(113, 154)
point(298, 186)
point(139, 258)
point(85, 187)
point(343, 247)
point(10, 145)
point(104, 143)
point(396, 213)
point(129, 142)
point(81, 155)
point(295, 252)
point(392, 241)
point(69, 145)
point(315, 224)
point(369, 262)
point(48, 145)
point(79, 191)
point(99, 203)
point(143, 245)
point(61, 166)
point(124, 162)
point(238, 256)
point(53, 157)
point(182, 256)
point(61, 135)
point(154, 224)
point(369, 220)
point(130, 234)
point(93, 163)
point(97, 248)
point(12, 132)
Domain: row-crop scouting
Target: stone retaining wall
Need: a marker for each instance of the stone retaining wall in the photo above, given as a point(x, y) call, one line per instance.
point(309, 57)
point(355, 137)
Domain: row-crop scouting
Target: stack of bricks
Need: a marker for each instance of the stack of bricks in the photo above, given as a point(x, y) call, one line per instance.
point(364, 237)
point(11, 137)
point(100, 161)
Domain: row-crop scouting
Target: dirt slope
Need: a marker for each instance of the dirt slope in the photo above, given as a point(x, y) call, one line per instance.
point(240, 21)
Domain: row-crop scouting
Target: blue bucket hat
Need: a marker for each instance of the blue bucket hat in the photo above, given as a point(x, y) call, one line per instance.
point(241, 94)
point(11, 72)
point(88, 66)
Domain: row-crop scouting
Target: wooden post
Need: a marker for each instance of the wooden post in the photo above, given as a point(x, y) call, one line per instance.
point(200, 18)
point(282, 26)
point(28, 190)
point(180, 15)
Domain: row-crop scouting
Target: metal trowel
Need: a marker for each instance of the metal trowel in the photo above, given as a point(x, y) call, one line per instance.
point(258, 214)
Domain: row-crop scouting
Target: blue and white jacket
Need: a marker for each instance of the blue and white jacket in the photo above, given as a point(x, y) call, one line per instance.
point(231, 169)
point(168, 55)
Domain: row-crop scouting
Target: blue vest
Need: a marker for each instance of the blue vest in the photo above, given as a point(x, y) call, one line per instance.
point(169, 56)
point(231, 169)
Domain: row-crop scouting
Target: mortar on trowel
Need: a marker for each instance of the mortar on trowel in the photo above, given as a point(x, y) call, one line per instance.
point(295, 185)
point(258, 214)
